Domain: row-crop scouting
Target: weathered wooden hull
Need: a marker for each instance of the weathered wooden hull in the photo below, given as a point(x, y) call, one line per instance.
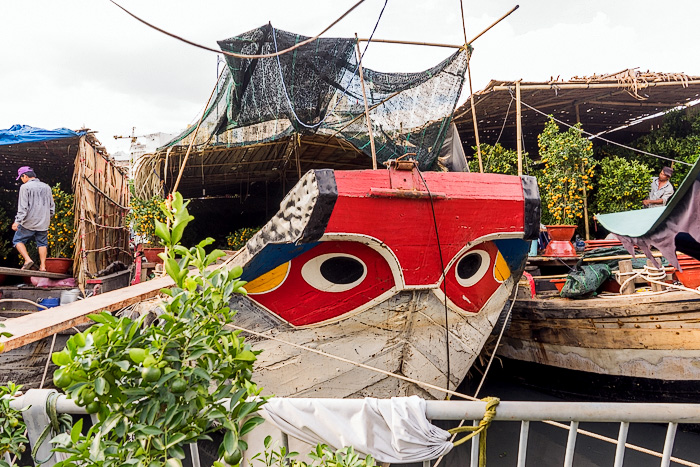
point(643, 338)
point(403, 335)
point(392, 269)
point(25, 365)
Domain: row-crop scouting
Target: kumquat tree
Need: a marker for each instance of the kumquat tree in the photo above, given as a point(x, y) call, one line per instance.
point(567, 173)
point(622, 185)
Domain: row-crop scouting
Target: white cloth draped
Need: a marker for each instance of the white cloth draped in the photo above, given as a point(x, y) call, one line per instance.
point(394, 430)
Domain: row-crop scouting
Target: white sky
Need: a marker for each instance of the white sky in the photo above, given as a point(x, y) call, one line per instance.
point(78, 63)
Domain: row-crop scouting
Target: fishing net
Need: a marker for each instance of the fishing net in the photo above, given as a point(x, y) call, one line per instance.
point(584, 283)
point(316, 89)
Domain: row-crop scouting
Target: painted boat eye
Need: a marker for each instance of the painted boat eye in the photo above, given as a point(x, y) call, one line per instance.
point(334, 272)
point(472, 267)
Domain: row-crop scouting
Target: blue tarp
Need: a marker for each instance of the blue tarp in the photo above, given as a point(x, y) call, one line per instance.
point(18, 134)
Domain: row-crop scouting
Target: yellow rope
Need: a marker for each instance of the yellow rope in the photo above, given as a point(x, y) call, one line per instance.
point(489, 415)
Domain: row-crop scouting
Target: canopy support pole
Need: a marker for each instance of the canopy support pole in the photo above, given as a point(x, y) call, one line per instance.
point(364, 96)
point(518, 127)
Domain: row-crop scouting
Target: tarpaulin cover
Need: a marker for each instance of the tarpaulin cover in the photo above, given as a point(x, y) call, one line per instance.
point(659, 227)
point(18, 134)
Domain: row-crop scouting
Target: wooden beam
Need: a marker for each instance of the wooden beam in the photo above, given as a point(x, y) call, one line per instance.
point(36, 326)
point(563, 86)
point(30, 273)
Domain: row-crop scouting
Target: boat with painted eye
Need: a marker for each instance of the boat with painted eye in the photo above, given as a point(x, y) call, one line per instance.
point(395, 269)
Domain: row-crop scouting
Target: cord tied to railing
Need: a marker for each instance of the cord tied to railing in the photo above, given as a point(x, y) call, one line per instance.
point(57, 424)
point(489, 415)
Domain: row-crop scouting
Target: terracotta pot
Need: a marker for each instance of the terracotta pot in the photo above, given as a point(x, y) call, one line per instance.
point(151, 254)
point(59, 265)
point(560, 241)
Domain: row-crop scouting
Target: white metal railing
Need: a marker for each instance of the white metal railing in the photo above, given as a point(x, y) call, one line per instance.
point(36, 418)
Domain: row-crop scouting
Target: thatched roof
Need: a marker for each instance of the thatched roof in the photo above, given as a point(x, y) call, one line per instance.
point(601, 103)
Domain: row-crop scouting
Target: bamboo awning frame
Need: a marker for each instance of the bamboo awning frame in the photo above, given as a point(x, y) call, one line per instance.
point(619, 103)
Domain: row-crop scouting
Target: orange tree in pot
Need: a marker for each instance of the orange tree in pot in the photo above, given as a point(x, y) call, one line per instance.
point(61, 234)
point(142, 217)
point(564, 183)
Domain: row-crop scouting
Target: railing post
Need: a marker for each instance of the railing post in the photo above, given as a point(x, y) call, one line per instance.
point(474, 462)
point(522, 444)
point(621, 440)
point(668, 444)
point(571, 445)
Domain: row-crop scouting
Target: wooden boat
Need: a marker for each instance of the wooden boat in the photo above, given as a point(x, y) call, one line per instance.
point(639, 347)
point(394, 269)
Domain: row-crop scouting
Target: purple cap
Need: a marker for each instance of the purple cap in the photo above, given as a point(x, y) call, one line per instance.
point(22, 170)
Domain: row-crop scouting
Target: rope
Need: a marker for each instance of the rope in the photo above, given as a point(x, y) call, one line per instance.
point(57, 424)
point(232, 54)
point(593, 136)
point(444, 282)
point(48, 361)
point(651, 274)
point(489, 415)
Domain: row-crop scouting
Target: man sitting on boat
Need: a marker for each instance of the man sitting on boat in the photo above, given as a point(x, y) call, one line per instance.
point(661, 189)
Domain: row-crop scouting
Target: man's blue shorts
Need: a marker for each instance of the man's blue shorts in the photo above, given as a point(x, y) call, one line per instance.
point(23, 235)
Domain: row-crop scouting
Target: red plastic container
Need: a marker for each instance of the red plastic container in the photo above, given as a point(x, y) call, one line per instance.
point(558, 283)
point(690, 276)
point(560, 241)
point(59, 265)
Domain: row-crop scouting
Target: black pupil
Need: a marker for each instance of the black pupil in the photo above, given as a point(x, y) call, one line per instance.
point(468, 266)
point(341, 270)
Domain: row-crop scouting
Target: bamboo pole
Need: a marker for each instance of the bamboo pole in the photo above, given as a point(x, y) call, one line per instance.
point(364, 96)
point(518, 127)
point(585, 192)
point(476, 125)
point(429, 44)
point(495, 23)
point(194, 136)
point(564, 86)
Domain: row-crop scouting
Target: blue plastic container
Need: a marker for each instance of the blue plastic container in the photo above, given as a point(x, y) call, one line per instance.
point(49, 302)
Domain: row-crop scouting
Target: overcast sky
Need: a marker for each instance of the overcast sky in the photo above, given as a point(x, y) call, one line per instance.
point(78, 63)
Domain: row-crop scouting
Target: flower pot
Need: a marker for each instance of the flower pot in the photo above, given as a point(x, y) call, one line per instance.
point(151, 254)
point(560, 241)
point(59, 265)
point(558, 283)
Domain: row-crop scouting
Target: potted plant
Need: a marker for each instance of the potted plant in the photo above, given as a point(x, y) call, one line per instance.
point(61, 234)
point(567, 174)
point(237, 240)
point(142, 217)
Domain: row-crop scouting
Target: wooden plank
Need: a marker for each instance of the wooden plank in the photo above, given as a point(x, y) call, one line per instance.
point(35, 326)
point(31, 273)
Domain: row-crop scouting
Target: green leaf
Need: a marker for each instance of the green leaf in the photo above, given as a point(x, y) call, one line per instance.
point(175, 439)
point(76, 430)
point(173, 270)
point(162, 232)
point(61, 358)
point(245, 356)
point(100, 385)
point(151, 430)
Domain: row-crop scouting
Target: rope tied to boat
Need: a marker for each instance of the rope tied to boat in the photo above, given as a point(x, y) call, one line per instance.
point(489, 415)
point(57, 424)
point(649, 274)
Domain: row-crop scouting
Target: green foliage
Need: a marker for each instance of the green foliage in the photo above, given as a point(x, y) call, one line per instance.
point(499, 160)
point(568, 173)
point(143, 215)
point(159, 387)
point(62, 229)
point(5, 227)
point(237, 240)
point(677, 138)
point(321, 456)
point(622, 185)
point(13, 440)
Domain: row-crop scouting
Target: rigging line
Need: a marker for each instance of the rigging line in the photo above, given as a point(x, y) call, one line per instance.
point(493, 355)
point(232, 54)
point(444, 282)
point(505, 119)
point(361, 365)
point(345, 90)
point(437, 388)
point(600, 137)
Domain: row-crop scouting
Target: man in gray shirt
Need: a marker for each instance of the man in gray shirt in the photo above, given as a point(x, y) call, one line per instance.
point(661, 189)
point(34, 211)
